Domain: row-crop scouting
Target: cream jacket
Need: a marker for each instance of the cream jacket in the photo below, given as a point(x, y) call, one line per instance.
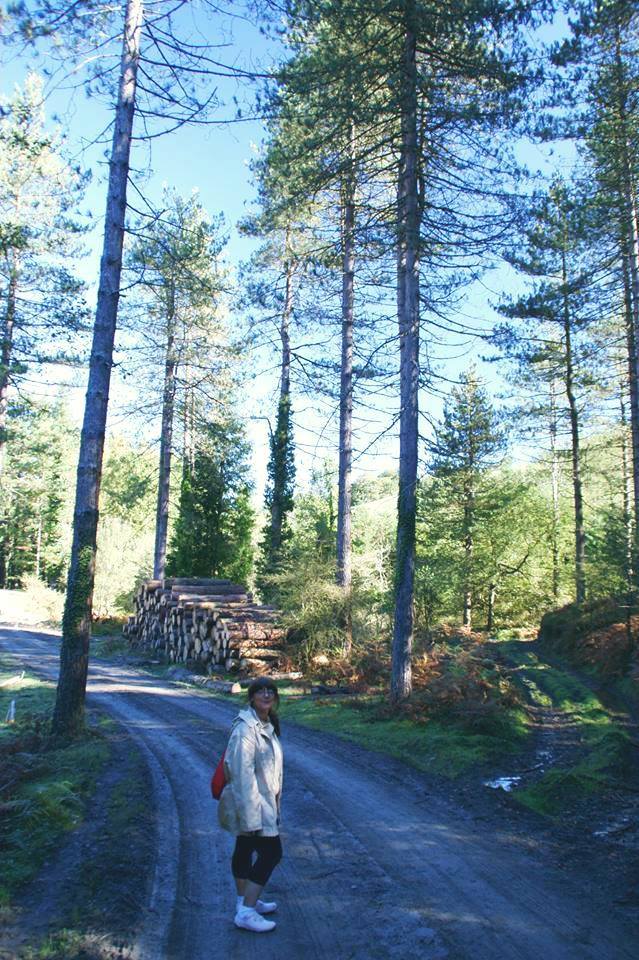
point(253, 767)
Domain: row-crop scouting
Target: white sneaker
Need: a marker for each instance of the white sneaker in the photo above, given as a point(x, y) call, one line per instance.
point(262, 906)
point(266, 906)
point(247, 918)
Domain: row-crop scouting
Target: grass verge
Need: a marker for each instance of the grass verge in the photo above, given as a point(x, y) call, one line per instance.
point(447, 746)
point(44, 786)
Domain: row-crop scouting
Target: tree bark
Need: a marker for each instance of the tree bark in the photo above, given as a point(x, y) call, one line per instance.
point(469, 512)
point(630, 268)
point(5, 357)
point(580, 535)
point(166, 446)
point(492, 595)
point(344, 533)
point(626, 490)
point(408, 321)
point(68, 717)
point(554, 481)
point(276, 532)
point(633, 387)
point(6, 347)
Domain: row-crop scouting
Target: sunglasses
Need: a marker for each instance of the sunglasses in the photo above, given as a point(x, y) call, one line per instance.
point(265, 692)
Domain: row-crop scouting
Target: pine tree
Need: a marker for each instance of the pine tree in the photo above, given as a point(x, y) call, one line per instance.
point(280, 486)
point(552, 316)
point(166, 97)
point(468, 441)
point(429, 91)
point(607, 40)
point(33, 490)
point(214, 523)
point(175, 258)
point(41, 300)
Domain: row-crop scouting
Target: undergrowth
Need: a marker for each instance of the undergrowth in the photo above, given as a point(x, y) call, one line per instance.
point(464, 710)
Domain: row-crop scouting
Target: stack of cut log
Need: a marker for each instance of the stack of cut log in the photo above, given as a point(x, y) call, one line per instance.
point(214, 622)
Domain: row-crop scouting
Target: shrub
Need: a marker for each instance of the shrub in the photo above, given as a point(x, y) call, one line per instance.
point(40, 603)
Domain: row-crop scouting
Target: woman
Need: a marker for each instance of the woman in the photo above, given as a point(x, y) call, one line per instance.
point(250, 803)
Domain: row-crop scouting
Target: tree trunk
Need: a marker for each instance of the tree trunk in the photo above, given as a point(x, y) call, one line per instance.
point(633, 387)
point(68, 717)
point(554, 480)
point(629, 230)
point(490, 619)
point(344, 535)
point(188, 420)
point(5, 357)
point(6, 347)
point(166, 448)
point(580, 536)
point(39, 542)
point(626, 490)
point(408, 319)
point(282, 439)
point(469, 510)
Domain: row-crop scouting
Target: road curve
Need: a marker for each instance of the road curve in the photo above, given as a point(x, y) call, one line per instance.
point(374, 868)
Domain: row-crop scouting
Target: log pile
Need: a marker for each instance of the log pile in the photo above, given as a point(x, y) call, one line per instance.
point(212, 622)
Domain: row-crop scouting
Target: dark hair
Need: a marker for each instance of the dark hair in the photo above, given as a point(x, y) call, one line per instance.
point(261, 683)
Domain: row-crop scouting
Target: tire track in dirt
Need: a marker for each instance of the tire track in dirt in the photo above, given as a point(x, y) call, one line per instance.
point(373, 867)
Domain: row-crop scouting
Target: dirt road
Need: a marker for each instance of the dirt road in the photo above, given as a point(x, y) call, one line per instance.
point(375, 867)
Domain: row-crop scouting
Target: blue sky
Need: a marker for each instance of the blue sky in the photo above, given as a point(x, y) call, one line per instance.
point(215, 161)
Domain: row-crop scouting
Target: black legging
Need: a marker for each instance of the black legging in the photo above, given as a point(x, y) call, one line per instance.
point(269, 854)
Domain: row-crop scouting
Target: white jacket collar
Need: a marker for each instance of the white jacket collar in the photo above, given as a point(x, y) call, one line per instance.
point(249, 716)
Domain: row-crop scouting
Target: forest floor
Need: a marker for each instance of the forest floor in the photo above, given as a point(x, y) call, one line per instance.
point(382, 861)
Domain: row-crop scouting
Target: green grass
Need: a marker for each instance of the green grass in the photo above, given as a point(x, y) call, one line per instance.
point(603, 758)
point(605, 765)
point(447, 747)
point(62, 945)
point(44, 786)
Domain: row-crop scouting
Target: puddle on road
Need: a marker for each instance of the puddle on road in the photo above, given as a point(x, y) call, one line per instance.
point(503, 783)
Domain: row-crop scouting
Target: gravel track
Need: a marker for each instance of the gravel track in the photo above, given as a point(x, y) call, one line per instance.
point(376, 866)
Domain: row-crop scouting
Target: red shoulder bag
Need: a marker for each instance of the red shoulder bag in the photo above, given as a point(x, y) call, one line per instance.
point(218, 780)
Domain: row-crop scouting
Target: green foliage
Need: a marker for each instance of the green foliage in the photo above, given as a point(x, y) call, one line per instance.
point(34, 494)
point(38, 239)
point(180, 280)
point(469, 438)
point(212, 532)
point(460, 508)
point(127, 490)
point(315, 607)
point(125, 531)
point(278, 497)
point(304, 586)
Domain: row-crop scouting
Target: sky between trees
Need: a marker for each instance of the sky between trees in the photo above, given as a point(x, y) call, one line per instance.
point(215, 160)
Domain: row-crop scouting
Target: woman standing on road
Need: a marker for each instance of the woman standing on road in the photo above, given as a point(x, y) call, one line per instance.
point(250, 803)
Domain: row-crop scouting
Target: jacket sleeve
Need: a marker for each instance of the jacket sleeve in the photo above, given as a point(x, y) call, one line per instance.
point(240, 758)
